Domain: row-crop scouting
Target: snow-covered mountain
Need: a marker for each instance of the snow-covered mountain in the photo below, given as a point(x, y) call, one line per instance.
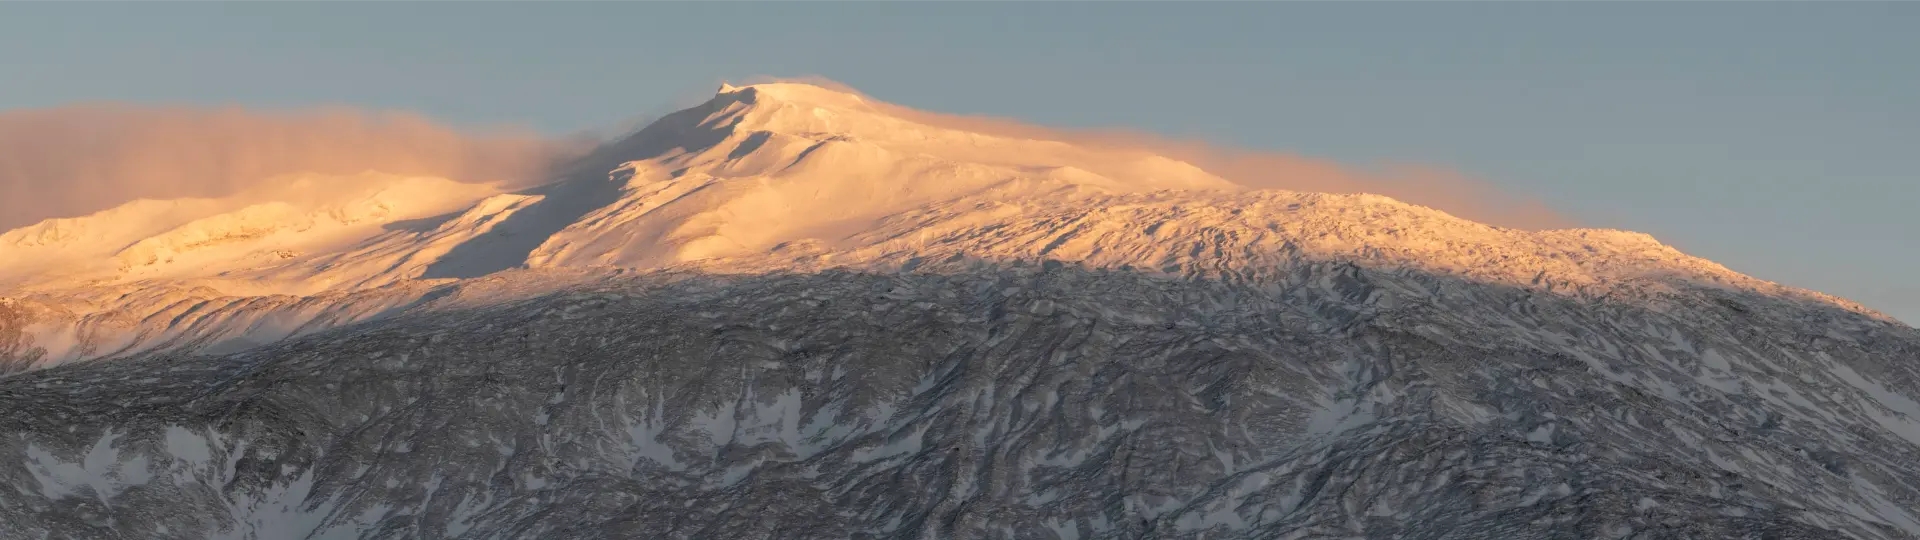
point(792, 311)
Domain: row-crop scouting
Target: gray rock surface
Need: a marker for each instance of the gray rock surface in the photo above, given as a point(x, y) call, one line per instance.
point(1036, 399)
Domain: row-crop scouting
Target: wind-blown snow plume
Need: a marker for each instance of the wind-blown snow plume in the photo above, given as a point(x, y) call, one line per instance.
point(1425, 185)
point(73, 160)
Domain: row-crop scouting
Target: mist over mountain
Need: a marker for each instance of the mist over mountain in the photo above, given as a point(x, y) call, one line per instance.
point(75, 160)
point(794, 311)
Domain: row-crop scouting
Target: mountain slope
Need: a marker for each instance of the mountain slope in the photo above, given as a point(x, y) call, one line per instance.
point(778, 176)
point(789, 312)
point(1018, 403)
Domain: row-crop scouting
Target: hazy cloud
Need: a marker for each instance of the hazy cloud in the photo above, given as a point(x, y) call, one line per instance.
point(74, 160)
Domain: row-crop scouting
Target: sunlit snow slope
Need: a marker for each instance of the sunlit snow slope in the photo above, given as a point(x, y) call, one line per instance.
point(764, 177)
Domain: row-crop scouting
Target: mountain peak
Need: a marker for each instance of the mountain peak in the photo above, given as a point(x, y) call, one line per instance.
point(793, 92)
point(785, 175)
point(812, 111)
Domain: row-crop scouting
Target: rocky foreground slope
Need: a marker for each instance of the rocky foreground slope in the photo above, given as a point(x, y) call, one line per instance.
point(787, 313)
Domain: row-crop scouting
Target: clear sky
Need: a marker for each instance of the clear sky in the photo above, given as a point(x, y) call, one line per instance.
point(1780, 139)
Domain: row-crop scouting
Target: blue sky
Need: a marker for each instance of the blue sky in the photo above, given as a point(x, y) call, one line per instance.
point(1781, 139)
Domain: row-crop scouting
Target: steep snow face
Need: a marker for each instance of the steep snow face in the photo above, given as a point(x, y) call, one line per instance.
point(775, 164)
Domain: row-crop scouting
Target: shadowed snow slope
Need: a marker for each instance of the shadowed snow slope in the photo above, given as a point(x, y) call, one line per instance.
point(789, 312)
